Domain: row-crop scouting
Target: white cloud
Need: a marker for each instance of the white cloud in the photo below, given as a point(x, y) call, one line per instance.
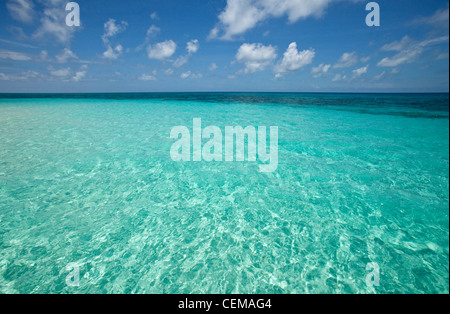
point(379, 76)
point(24, 76)
point(180, 61)
point(14, 43)
point(358, 72)
point(191, 75)
point(12, 55)
point(112, 29)
point(192, 46)
point(53, 22)
point(213, 67)
point(407, 56)
point(214, 33)
point(18, 33)
point(154, 16)
point(80, 74)
point(43, 56)
point(162, 50)
point(440, 19)
point(347, 60)
point(321, 70)
point(186, 74)
point(397, 45)
point(408, 50)
point(148, 77)
point(113, 54)
point(256, 57)
point(66, 55)
point(66, 74)
point(442, 56)
point(61, 72)
point(240, 16)
point(151, 32)
point(21, 10)
point(294, 60)
point(339, 77)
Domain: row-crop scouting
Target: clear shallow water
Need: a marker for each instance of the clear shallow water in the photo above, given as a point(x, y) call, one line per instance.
point(88, 179)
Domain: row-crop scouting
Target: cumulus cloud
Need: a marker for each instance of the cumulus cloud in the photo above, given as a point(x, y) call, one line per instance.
point(256, 57)
point(186, 74)
point(358, 72)
point(112, 29)
point(213, 67)
point(113, 53)
point(65, 56)
point(53, 22)
point(151, 32)
point(240, 16)
point(21, 10)
point(408, 50)
point(321, 70)
point(191, 47)
point(66, 74)
point(339, 77)
point(154, 16)
point(294, 59)
point(43, 56)
point(62, 73)
point(162, 50)
point(189, 74)
point(80, 74)
point(348, 59)
point(148, 77)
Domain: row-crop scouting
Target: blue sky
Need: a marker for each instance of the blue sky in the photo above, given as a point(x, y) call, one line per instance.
point(224, 45)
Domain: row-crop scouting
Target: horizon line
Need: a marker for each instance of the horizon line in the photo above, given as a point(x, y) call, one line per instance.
point(215, 92)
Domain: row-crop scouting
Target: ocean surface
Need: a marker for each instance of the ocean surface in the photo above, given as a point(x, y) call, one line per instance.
point(88, 180)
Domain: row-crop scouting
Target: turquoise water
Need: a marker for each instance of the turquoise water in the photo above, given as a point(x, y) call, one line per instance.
point(88, 179)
